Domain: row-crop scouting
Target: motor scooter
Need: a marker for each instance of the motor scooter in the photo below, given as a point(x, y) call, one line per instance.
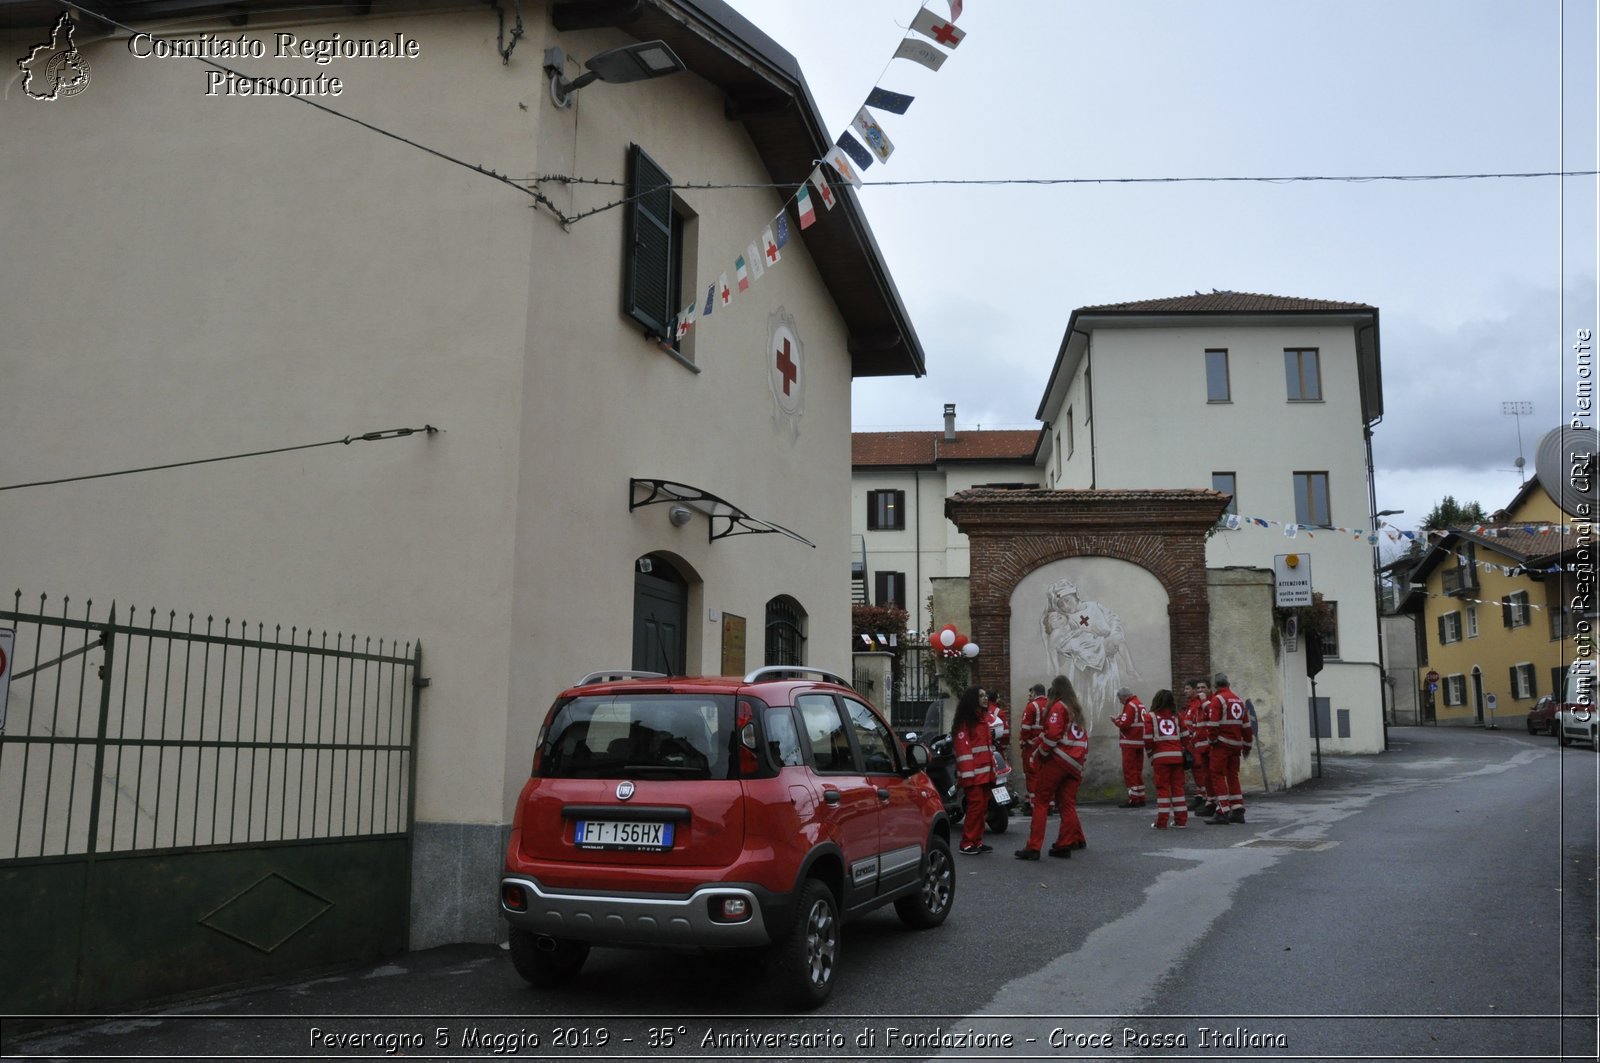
point(942, 770)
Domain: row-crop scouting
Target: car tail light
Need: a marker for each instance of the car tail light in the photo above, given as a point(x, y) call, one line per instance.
point(745, 724)
point(513, 897)
point(730, 909)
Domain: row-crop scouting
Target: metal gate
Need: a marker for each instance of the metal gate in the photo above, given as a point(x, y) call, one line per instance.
point(185, 809)
point(916, 689)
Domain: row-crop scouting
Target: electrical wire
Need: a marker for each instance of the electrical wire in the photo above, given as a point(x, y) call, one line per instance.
point(388, 433)
point(1045, 181)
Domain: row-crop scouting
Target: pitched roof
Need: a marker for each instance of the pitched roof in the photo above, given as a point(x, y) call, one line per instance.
point(1217, 301)
point(1015, 446)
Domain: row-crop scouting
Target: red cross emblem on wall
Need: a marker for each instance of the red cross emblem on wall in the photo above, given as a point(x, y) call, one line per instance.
point(786, 367)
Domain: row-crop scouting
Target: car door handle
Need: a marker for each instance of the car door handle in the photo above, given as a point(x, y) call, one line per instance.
point(831, 796)
point(883, 795)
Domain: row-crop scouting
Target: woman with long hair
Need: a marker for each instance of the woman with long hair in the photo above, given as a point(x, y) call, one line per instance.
point(1165, 737)
point(974, 765)
point(1058, 757)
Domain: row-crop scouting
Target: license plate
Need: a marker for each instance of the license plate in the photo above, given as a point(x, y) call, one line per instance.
point(1002, 795)
point(623, 834)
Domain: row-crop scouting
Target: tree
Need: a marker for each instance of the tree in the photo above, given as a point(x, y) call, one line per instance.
point(1451, 514)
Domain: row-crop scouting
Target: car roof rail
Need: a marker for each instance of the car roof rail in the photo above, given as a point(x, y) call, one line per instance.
point(771, 670)
point(615, 673)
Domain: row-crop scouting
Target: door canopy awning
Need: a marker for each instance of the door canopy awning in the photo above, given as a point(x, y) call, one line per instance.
point(724, 518)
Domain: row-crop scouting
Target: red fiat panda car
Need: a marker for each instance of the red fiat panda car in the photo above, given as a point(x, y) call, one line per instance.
point(754, 812)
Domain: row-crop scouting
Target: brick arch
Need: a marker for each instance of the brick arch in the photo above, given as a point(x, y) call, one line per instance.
point(1013, 533)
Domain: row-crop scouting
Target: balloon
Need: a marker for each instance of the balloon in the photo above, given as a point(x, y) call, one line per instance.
point(947, 636)
point(970, 649)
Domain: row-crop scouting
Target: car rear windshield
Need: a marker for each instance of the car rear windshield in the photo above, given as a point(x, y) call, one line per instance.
point(667, 736)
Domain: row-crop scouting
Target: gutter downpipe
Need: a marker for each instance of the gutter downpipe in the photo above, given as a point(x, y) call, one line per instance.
point(1372, 510)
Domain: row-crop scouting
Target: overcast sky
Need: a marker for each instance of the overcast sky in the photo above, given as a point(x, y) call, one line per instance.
point(1471, 277)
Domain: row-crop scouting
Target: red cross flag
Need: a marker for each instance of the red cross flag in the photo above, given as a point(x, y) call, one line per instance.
point(724, 292)
point(824, 190)
point(930, 25)
point(769, 249)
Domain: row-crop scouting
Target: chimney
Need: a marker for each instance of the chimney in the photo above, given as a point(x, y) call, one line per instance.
point(949, 422)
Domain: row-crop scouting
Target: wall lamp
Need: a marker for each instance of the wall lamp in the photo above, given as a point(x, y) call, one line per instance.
point(633, 62)
point(680, 515)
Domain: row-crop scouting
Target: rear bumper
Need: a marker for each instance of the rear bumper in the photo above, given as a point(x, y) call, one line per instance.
point(633, 919)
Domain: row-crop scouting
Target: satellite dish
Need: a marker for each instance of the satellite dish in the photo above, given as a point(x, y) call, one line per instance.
point(1565, 466)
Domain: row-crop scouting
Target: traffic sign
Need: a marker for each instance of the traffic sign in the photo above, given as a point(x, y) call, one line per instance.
point(1292, 576)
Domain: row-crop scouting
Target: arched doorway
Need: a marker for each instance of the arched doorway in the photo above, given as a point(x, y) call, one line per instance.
point(660, 616)
point(785, 631)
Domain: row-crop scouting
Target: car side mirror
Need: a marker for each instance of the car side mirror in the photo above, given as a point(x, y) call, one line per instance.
point(917, 757)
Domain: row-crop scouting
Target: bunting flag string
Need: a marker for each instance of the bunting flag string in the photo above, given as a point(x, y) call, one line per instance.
point(930, 42)
point(1234, 522)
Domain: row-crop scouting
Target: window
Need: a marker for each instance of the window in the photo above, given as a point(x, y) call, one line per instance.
point(826, 736)
point(1463, 576)
point(1455, 690)
point(1514, 609)
point(1217, 387)
point(654, 249)
point(886, 510)
point(1311, 499)
point(786, 634)
point(890, 588)
point(1449, 628)
point(1472, 621)
point(1302, 367)
point(1227, 483)
point(873, 738)
point(1070, 444)
point(1522, 682)
point(783, 741)
point(1330, 639)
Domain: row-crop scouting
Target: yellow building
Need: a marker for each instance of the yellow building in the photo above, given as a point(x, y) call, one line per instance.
point(1495, 623)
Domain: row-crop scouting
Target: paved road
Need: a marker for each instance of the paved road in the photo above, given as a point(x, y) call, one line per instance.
point(1436, 902)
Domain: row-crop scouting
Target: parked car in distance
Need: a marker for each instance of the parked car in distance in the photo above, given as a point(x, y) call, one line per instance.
point(1542, 717)
point(1576, 721)
point(720, 812)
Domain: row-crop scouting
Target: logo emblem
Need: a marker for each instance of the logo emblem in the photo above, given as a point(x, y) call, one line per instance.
point(55, 69)
point(624, 790)
point(786, 374)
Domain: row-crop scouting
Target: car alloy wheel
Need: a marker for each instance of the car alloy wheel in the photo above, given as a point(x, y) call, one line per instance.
point(929, 906)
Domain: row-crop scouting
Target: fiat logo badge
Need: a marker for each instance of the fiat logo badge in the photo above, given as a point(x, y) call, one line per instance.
point(624, 790)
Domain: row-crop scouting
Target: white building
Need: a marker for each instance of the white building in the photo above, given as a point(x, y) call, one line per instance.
point(1266, 398)
point(899, 482)
point(209, 274)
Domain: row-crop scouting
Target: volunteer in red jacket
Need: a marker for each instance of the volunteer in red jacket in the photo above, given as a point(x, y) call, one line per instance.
point(974, 766)
point(1059, 754)
point(1164, 738)
point(1195, 694)
point(1130, 739)
point(1231, 738)
point(1028, 731)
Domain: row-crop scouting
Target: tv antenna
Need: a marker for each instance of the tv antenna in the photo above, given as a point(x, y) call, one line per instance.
point(1519, 410)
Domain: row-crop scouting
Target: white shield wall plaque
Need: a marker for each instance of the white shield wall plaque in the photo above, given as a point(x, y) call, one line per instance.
point(786, 375)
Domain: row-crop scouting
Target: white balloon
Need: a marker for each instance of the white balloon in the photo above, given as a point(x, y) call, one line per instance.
point(970, 649)
point(947, 638)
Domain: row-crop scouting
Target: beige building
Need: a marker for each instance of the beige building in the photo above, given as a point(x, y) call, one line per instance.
point(197, 272)
point(1496, 617)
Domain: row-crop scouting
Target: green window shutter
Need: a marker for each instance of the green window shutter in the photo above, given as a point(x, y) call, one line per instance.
point(1441, 631)
point(1505, 610)
point(1513, 681)
point(648, 286)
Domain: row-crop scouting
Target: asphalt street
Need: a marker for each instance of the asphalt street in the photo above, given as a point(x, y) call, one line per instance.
point(1437, 901)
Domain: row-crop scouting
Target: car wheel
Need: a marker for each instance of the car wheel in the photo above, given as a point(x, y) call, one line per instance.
point(1530, 727)
point(809, 956)
point(550, 964)
point(929, 906)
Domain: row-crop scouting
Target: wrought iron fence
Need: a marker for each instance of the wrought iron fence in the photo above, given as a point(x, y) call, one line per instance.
point(137, 736)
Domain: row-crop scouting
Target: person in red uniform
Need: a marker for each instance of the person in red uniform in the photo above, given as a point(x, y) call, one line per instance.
point(1131, 740)
point(1231, 738)
point(1164, 739)
point(974, 766)
point(1059, 754)
point(1028, 732)
point(1199, 745)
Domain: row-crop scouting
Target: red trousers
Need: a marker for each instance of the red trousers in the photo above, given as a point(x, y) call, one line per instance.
point(977, 806)
point(1169, 792)
point(1055, 783)
point(1133, 773)
point(1225, 786)
point(1202, 772)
